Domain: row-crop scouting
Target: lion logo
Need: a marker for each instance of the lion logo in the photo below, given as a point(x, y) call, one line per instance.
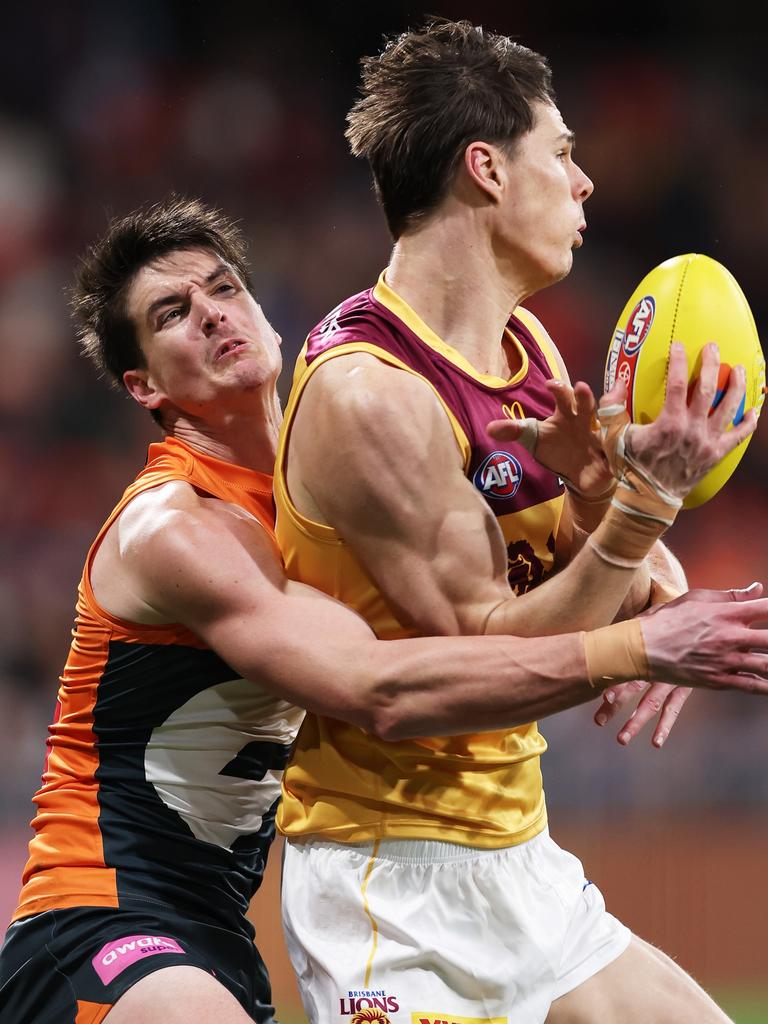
point(524, 569)
point(370, 1016)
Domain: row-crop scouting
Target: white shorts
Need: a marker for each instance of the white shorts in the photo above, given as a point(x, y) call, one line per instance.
point(418, 932)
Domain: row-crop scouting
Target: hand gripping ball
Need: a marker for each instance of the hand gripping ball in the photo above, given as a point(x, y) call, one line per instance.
point(693, 300)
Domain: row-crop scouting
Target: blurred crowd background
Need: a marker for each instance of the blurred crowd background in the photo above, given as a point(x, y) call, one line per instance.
point(105, 106)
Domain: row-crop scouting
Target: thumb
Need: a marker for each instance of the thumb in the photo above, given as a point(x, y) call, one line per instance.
point(505, 430)
point(754, 590)
point(747, 593)
point(616, 396)
point(525, 432)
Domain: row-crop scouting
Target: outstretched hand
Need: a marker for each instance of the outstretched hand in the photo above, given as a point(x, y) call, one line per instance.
point(710, 639)
point(567, 442)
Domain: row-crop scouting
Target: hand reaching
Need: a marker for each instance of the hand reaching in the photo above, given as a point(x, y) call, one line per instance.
point(567, 442)
point(707, 638)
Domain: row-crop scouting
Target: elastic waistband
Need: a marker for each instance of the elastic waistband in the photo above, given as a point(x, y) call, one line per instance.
point(421, 851)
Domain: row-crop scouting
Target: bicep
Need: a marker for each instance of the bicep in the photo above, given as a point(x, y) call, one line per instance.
point(375, 450)
point(217, 573)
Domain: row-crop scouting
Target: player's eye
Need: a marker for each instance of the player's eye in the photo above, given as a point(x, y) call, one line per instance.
point(225, 287)
point(170, 315)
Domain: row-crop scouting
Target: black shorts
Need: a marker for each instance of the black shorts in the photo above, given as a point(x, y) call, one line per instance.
point(71, 966)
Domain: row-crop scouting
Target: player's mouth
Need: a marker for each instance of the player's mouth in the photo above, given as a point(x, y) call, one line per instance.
point(227, 347)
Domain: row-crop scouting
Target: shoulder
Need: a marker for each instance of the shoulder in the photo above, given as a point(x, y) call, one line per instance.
point(172, 550)
point(370, 393)
point(175, 520)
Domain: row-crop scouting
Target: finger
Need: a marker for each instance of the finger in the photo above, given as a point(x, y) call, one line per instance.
point(617, 698)
point(731, 401)
point(616, 396)
point(738, 607)
point(754, 590)
point(747, 612)
point(585, 403)
point(740, 433)
point(677, 379)
point(706, 596)
point(527, 433)
point(649, 706)
point(504, 430)
point(673, 705)
point(705, 388)
point(744, 682)
point(742, 671)
point(563, 395)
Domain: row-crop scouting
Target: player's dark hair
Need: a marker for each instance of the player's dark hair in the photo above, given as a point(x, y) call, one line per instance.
point(429, 94)
point(106, 271)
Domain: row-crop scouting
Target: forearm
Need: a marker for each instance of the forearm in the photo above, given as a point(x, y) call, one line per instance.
point(440, 687)
point(423, 686)
point(588, 593)
point(400, 689)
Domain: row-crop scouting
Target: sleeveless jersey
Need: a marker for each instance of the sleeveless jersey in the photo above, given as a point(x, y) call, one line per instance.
point(163, 768)
point(480, 790)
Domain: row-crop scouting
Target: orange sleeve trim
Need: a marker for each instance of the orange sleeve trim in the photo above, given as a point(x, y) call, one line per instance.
point(91, 1013)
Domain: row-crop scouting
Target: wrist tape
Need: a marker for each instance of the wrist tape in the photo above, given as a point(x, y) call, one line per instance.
point(641, 509)
point(615, 654)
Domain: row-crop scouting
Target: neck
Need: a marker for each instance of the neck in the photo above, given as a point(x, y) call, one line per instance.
point(244, 437)
point(449, 273)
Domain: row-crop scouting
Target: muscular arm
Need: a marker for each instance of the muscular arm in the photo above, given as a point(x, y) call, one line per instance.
point(372, 453)
point(175, 557)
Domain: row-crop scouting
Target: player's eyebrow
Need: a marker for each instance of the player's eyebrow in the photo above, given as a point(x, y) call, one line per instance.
point(569, 137)
point(220, 270)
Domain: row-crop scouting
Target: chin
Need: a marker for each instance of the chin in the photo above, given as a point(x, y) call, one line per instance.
point(554, 272)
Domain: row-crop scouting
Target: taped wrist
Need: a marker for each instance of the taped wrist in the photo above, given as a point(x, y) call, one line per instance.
point(637, 493)
point(623, 540)
point(641, 509)
point(615, 654)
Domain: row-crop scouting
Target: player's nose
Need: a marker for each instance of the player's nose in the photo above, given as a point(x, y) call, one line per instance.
point(583, 186)
point(209, 313)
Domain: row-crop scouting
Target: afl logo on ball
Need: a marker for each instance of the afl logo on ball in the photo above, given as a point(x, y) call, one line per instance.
point(638, 325)
point(498, 475)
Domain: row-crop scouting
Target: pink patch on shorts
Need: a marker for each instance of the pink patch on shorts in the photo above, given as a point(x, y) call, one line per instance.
point(121, 953)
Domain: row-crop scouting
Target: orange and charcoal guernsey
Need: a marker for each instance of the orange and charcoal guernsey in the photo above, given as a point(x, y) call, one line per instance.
point(163, 768)
point(481, 790)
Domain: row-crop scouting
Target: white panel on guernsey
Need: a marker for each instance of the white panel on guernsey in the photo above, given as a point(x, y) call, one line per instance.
point(191, 759)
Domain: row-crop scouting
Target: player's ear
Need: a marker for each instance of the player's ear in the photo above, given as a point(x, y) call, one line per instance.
point(483, 164)
point(140, 387)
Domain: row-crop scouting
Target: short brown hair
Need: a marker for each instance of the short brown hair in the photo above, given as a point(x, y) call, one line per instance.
point(429, 94)
point(98, 298)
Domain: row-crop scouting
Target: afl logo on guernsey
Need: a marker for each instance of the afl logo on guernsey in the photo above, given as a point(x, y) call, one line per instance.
point(498, 476)
point(638, 325)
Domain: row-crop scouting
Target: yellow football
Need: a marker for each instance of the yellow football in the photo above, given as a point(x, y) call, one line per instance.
point(694, 300)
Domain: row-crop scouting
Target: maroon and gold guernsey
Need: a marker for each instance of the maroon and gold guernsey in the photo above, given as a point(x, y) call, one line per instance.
point(481, 790)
